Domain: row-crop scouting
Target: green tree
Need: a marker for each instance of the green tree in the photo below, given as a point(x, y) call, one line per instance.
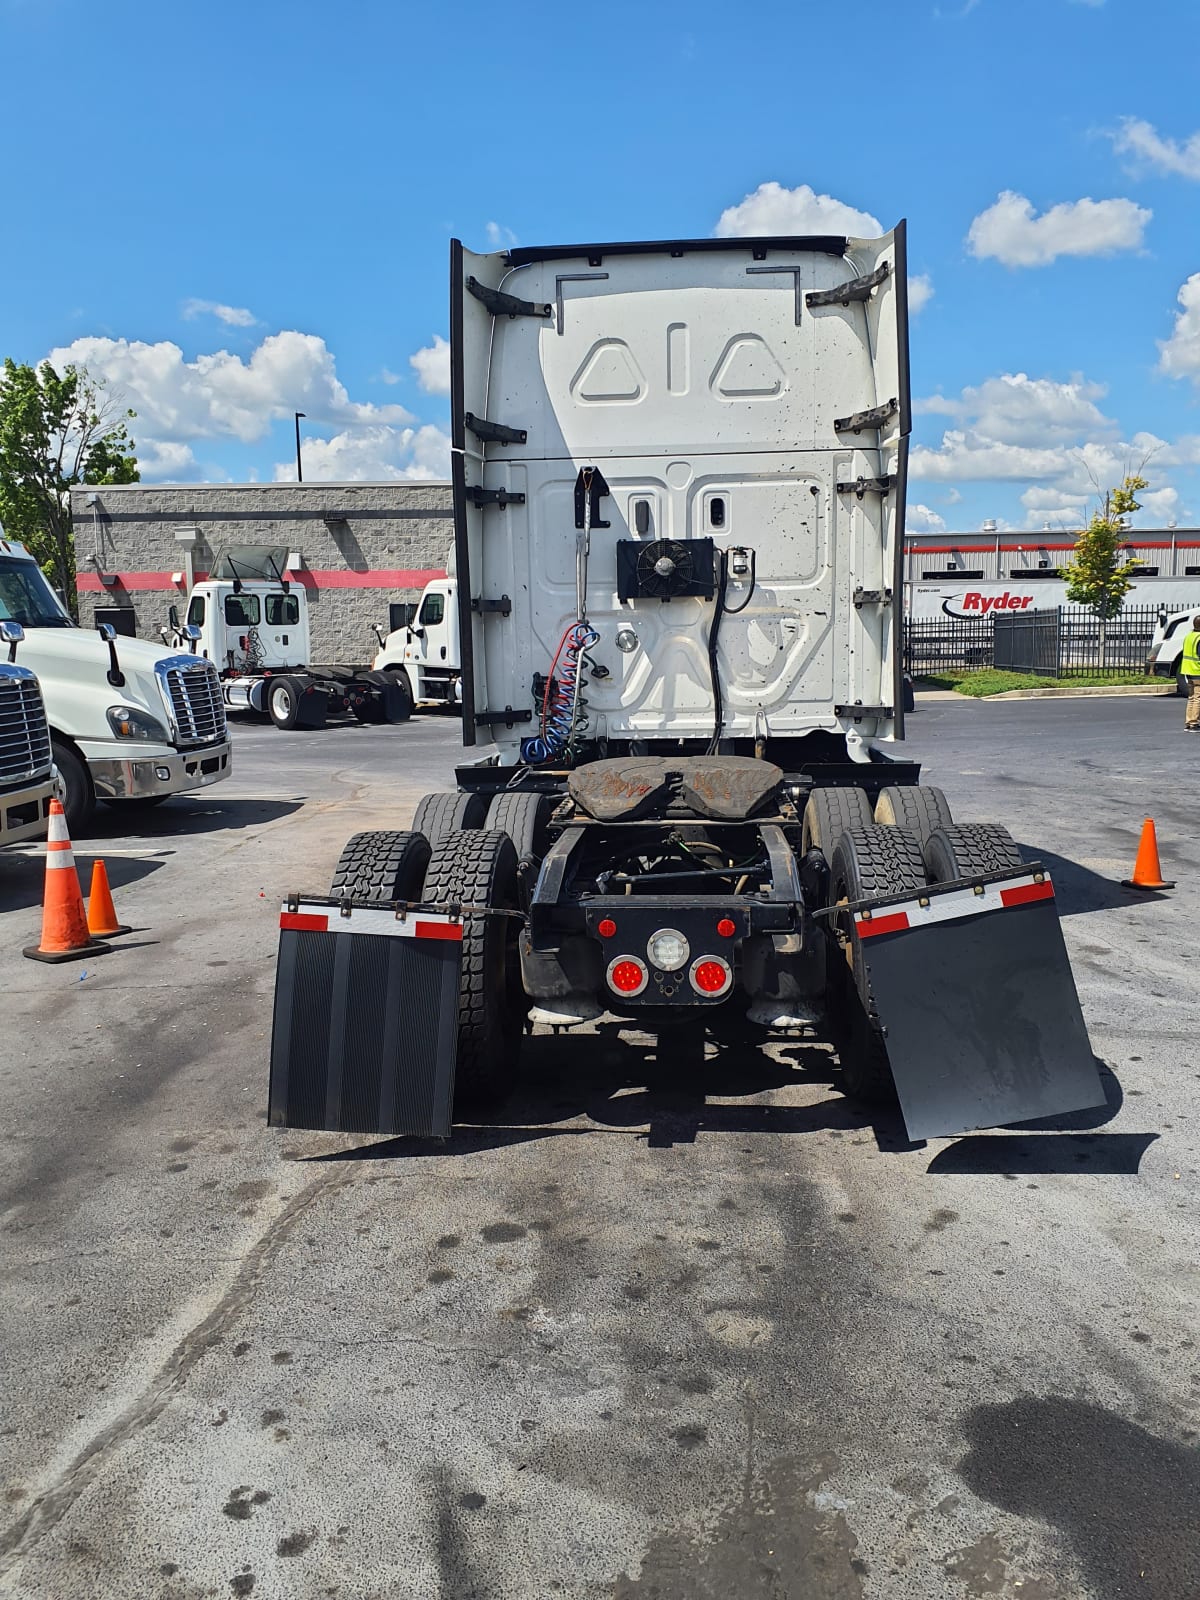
point(1096, 576)
point(56, 432)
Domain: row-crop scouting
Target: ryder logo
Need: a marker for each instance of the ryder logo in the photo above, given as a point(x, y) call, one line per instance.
point(975, 604)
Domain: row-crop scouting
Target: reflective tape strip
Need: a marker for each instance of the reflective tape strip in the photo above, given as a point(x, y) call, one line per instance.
point(361, 919)
point(57, 832)
point(60, 856)
point(1024, 892)
point(950, 907)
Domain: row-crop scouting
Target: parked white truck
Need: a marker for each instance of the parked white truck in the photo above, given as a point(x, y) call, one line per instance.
point(425, 651)
point(130, 724)
point(27, 775)
point(252, 623)
point(679, 479)
point(1166, 647)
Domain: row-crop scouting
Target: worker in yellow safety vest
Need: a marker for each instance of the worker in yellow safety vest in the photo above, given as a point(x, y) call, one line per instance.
point(1189, 666)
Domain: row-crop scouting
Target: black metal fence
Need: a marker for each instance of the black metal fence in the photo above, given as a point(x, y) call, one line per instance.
point(1058, 642)
point(947, 644)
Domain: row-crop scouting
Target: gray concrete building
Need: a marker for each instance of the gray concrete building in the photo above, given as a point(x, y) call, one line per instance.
point(355, 547)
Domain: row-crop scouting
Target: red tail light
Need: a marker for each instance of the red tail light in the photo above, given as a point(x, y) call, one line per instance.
point(606, 927)
point(628, 975)
point(727, 927)
point(710, 975)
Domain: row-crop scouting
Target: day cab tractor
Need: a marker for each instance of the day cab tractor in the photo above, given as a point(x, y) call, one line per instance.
point(679, 482)
point(252, 623)
point(424, 651)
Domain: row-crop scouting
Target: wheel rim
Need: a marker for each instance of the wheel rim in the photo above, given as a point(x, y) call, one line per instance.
point(281, 700)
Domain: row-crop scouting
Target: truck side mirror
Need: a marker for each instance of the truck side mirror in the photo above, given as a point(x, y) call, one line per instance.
point(173, 616)
point(11, 634)
point(378, 632)
point(109, 634)
point(192, 634)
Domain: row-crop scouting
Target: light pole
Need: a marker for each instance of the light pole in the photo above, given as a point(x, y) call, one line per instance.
point(299, 469)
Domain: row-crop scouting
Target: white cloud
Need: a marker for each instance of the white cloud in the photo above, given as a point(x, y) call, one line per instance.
point(920, 292)
point(923, 519)
point(1009, 231)
point(231, 316)
point(432, 366)
point(1016, 409)
point(1144, 143)
point(1180, 354)
point(165, 460)
point(499, 237)
point(376, 454)
point(222, 395)
point(386, 375)
point(772, 209)
point(1159, 505)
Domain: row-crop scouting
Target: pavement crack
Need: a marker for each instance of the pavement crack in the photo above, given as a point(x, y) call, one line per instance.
point(48, 1509)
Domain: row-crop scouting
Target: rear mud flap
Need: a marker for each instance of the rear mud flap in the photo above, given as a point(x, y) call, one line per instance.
point(982, 1020)
point(366, 1020)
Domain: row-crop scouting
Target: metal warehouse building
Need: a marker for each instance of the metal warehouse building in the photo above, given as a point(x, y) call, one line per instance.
point(357, 548)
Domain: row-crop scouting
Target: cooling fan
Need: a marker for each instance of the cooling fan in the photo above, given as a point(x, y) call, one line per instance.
point(664, 569)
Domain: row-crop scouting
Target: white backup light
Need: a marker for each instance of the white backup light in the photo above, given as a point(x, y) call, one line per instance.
point(668, 950)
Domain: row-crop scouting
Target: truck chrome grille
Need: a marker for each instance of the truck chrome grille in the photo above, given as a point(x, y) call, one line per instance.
point(24, 733)
point(194, 691)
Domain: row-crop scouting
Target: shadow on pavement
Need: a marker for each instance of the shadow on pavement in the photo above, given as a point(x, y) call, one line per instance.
point(23, 877)
point(1077, 889)
point(1128, 1501)
point(672, 1088)
point(1017, 1154)
point(194, 813)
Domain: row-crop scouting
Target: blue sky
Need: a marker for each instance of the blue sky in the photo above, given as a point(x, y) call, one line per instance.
point(233, 211)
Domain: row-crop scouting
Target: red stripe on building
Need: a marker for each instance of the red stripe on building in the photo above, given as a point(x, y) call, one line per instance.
point(375, 578)
point(1026, 892)
point(303, 922)
point(870, 927)
point(439, 930)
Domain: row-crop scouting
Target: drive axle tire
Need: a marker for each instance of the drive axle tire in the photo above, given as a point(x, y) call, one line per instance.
point(440, 815)
point(867, 861)
point(523, 817)
point(965, 849)
point(480, 869)
point(829, 813)
point(920, 809)
point(382, 866)
point(283, 702)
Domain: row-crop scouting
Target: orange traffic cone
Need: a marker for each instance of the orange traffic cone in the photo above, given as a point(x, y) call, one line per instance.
point(1147, 873)
point(65, 935)
point(101, 913)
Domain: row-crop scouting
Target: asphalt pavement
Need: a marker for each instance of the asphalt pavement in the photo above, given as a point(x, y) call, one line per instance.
point(666, 1328)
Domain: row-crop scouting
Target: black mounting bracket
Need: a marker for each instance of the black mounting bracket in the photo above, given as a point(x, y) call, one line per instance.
point(855, 289)
point(871, 597)
point(493, 497)
point(874, 418)
point(506, 305)
point(503, 606)
point(858, 711)
point(492, 719)
point(494, 432)
point(862, 486)
point(590, 482)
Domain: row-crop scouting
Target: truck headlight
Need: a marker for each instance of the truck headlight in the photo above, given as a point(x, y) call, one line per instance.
point(127, 722)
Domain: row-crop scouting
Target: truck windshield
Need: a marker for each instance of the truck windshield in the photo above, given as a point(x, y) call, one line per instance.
point(27, 598)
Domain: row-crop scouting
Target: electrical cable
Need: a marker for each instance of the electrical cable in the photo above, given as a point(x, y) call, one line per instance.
point(720, 609)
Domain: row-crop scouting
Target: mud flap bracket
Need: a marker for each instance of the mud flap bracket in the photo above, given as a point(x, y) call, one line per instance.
point(366, 1019)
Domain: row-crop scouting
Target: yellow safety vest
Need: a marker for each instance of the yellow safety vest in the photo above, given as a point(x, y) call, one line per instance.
point(1190, 664)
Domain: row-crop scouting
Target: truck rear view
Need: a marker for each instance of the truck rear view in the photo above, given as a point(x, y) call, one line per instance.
point(679, 475)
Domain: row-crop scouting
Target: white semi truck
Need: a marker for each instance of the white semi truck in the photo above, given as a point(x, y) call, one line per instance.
point(252, 623)
point(425, 651)
point(130, 724)
point(27, 775)
point(1166, 647)
point(679, 481)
